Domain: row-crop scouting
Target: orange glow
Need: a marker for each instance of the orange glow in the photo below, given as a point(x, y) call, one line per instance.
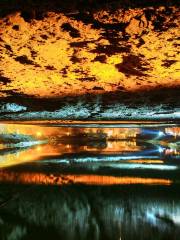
point(46, 131)
point(45, 150)
point(175, 131)
point(149, 161)
point(39, 134)
point(52, 72)
point(41, 178)
point(59, 140)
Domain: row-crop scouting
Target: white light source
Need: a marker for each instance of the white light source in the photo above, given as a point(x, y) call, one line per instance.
point(160, 149)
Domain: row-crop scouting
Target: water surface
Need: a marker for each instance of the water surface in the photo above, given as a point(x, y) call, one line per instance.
point(89, 181)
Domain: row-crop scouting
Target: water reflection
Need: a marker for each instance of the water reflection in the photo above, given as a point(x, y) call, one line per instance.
point(89, 183)
point(86, 212)
point(60, 179)
point(22, 143)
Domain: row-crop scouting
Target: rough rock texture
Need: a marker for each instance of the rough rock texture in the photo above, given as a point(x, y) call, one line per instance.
point(51, 52)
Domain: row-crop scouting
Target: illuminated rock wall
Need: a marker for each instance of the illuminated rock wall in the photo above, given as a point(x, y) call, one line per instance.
point(126, 49)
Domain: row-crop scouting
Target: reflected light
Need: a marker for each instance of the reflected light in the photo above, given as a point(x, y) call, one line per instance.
point(39, 134)
point(146, 161)
point(110, 145)
point(41, 178)
point(161, 134)
point(109, 133)
point(174, 131)
point(39, 148)
point(160, 149)
point(124, 146)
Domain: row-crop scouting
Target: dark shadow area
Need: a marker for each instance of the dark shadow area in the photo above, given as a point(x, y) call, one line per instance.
point(87, 212)
point(36, 9)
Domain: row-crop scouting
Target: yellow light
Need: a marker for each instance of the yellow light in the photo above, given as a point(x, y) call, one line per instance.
point(110, 133)
point(38, 148)
point(146, 161)
point(110, 145)
point(39, 134)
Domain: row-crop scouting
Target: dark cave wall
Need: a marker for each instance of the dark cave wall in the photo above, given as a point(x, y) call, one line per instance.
point(37, 8)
